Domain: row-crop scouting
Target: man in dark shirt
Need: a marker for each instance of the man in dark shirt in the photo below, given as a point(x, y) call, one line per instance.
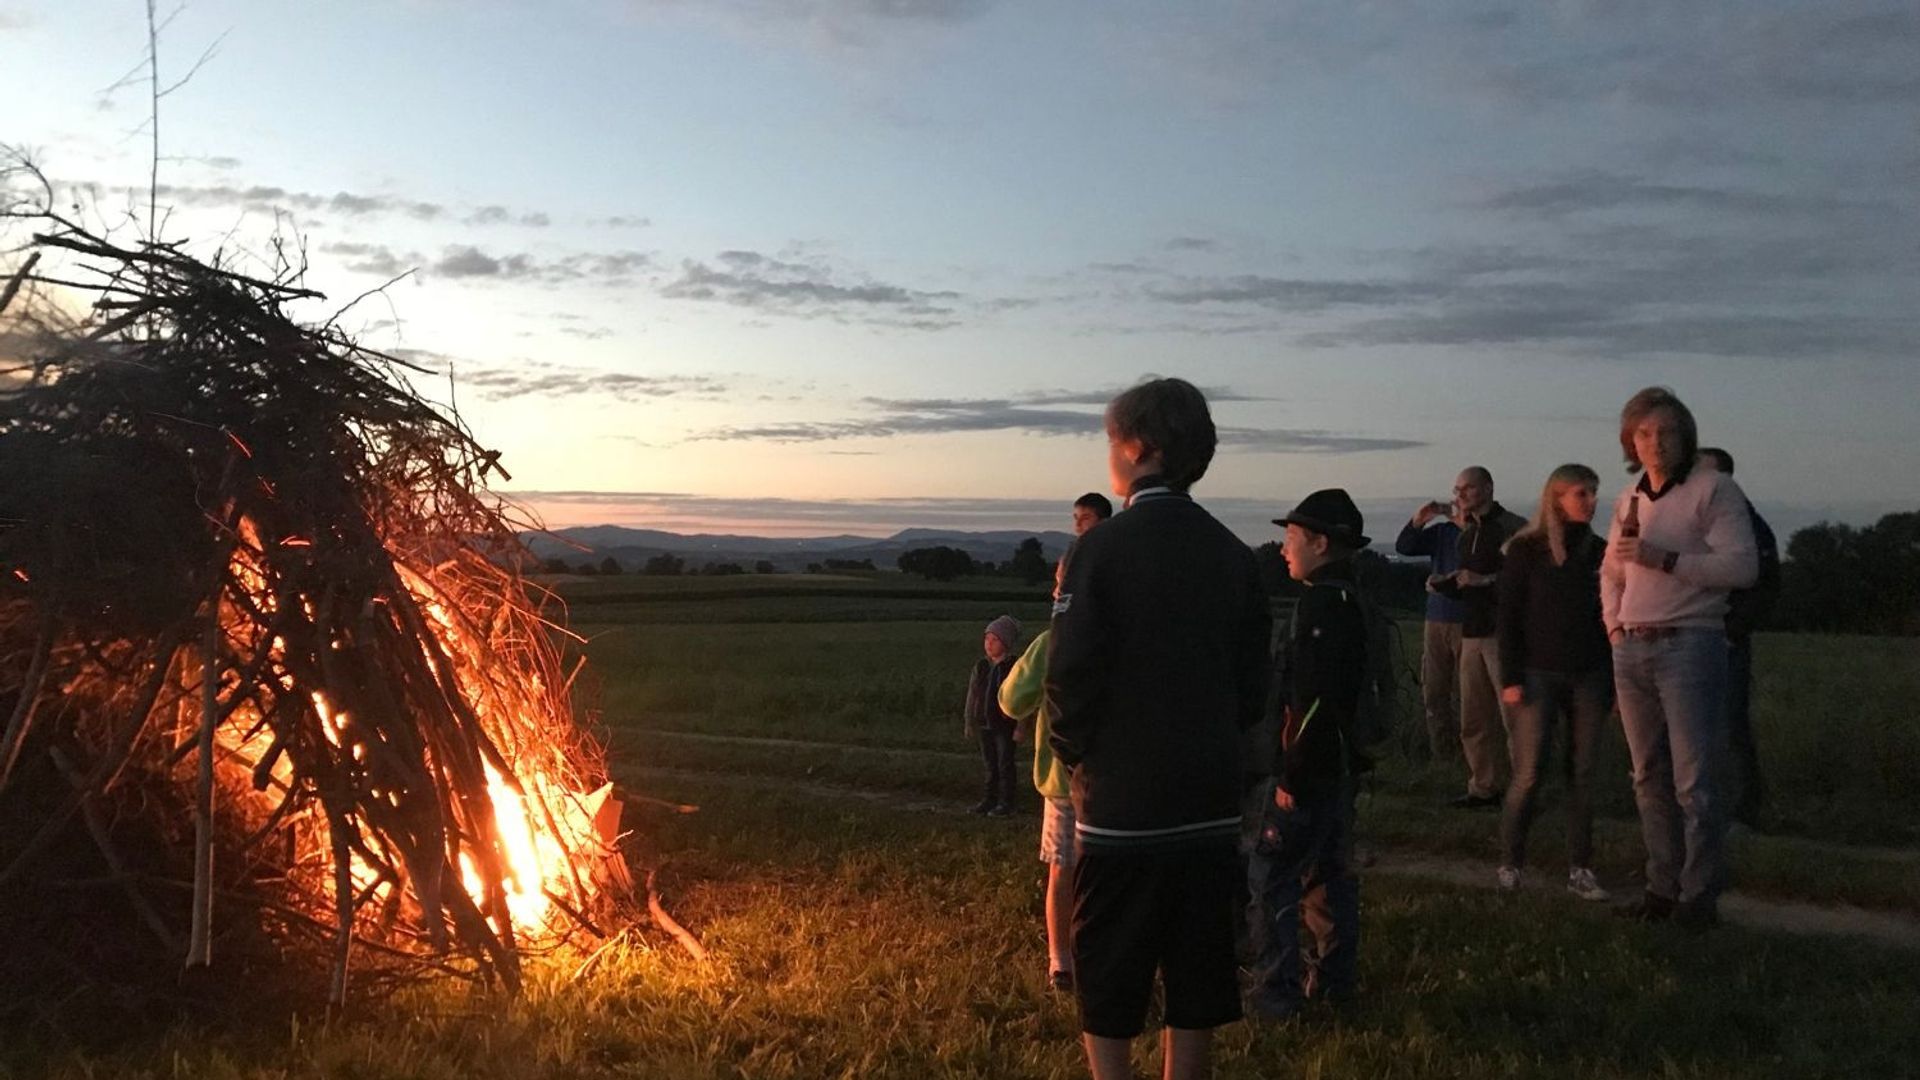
point(1432, 534)
point(1485, 528)
point(1302, 862)
point(1746, 608)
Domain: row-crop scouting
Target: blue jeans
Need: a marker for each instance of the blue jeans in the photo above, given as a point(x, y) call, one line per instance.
point(1583, 700)
point(1672, 693)
point(1301, 868)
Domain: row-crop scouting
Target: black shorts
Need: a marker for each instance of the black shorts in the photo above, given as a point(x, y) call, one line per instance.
point(1135, 912)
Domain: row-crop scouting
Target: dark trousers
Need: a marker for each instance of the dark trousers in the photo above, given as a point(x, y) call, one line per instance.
point(996, 749)
point(1584, 701)
point(1750, 788)
point(1301, 870)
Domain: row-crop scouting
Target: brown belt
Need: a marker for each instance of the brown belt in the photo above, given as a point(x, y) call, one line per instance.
point(1649, 633)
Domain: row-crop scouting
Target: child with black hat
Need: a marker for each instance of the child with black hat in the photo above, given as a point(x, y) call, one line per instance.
point(1303, 858)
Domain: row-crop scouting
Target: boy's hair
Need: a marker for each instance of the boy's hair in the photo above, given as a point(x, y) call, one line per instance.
point(1096, 502)
point(1168, 417)
point(1638, 407)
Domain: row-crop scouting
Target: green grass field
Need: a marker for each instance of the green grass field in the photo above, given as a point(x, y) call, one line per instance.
point(868, 937)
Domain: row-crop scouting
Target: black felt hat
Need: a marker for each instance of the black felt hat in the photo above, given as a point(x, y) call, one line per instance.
point(1330, 512)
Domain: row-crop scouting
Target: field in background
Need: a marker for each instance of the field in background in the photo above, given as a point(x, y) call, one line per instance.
point(861, 927)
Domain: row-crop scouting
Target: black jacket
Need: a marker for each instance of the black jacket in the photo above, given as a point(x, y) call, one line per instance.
point(1324, 664)
point(1550, 615)
point(1748, 608)
point(1157, 659)
point(1481, 541)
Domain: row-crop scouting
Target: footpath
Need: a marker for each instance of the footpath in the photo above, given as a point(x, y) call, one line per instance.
point(1888, 929)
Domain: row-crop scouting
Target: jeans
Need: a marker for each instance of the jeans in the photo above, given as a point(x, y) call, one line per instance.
point(996, 749)
point(1583, 699)
point(1479, 705)
point(1302, 869)
point(1749, 788)
point(1672, 693)
point(1440, 686)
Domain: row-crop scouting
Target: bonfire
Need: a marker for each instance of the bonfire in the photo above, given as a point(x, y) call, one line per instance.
point(265, 649)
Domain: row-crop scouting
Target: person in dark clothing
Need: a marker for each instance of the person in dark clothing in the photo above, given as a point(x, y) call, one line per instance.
point(1302, 864)
point(1485, 528)
point(1158, 660)
point(1746, 609)
point(1554, 662)
point(984, 719)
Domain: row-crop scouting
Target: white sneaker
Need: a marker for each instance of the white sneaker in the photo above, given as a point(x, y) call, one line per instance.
point(1582, 883)
point(1509, 878)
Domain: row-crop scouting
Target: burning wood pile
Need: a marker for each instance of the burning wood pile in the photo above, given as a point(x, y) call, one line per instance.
point(265, 653)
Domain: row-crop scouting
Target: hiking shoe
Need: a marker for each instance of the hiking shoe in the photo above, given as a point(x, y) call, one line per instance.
point(1061, 981)
point(1475, 802)
point(1508, 877)
point(999, 810)
point(1648, 909)
point(1696, 916)
point(983, 806)
point(1582, 883)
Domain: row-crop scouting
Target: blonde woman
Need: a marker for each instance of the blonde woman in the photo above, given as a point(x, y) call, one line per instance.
point(1555, 662)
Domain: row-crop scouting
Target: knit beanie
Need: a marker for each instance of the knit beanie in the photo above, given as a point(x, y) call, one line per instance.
point(1007, 629)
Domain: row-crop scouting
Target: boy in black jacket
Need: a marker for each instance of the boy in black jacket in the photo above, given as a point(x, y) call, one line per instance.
point(1303, 858)
point(1158, 659)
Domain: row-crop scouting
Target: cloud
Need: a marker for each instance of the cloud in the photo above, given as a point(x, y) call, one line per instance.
point(1027, 416)
point(750, 279)
point(536, 378)
point(14, 20)
point(465, 262)
point(500, 215)
point(376, 259)
point(620, 221)
point(1298, 295)
point(1599, 190)
point(266, 199)
point(1191, 243)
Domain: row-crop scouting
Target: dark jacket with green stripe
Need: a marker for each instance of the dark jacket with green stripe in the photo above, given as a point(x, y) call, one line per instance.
point(1158, 659)
point(1324, 664)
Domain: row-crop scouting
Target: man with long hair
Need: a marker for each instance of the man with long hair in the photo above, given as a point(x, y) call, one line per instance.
point(1680, 541)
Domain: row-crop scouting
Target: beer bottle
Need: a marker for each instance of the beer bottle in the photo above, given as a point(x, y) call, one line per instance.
point(1630, 523)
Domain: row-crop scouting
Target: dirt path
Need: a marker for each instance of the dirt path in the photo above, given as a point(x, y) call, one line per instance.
point(1785, 916)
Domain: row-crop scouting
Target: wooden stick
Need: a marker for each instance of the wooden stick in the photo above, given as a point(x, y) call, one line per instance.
point(127, 879)
point(200, 943)
point(666, 922)
point(23, 709)
point(19, 278)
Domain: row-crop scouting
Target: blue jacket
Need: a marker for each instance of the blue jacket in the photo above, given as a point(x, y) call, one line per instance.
point(1439, 541)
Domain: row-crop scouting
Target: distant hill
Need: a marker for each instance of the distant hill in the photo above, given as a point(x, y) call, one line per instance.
point(631, 548)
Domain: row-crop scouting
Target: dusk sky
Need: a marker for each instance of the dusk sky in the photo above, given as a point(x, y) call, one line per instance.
point(851, 265)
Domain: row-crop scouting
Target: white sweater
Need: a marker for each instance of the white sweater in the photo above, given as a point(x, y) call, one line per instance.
point(1705, 519)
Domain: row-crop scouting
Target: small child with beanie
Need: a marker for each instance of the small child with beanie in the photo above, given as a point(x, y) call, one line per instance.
point(986, 721)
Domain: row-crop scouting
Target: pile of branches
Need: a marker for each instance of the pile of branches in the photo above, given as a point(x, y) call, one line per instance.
point(263, 638)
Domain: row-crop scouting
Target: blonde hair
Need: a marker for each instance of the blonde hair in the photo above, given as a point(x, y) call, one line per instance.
point(1548, 521)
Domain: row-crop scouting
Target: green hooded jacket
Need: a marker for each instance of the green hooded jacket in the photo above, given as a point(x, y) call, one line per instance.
point(1023, 696)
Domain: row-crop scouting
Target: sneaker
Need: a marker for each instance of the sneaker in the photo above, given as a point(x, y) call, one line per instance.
point(1648, 909)
point(1582, 883)
point(1061, 981)
point(983, 806)
point(1696, 916)
point(999, 809)
point(1508, 877)
point(1476, 802)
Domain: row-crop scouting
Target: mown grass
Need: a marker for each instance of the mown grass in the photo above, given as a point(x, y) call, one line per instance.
point(857, 941)
point(866, 938)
